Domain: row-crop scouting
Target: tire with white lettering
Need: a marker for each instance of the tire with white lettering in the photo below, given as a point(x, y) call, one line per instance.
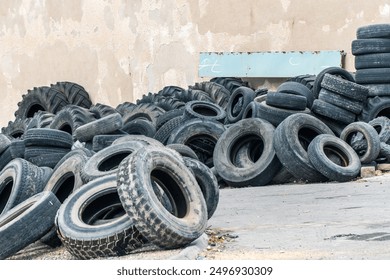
point(27, 222)
point(167, 230)
point(323, 145)
point(92, 223)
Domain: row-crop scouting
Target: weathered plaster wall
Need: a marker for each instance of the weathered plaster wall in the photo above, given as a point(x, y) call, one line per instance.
point(119, 50)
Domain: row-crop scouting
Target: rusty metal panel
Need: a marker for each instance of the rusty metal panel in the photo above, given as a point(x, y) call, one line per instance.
point(267, 64)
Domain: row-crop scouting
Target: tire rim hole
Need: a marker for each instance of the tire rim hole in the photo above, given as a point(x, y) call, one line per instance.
point(385, 112)
point(248, 114)
point(254, 146)
point(171, 186)
point(305, 136)
point(112, 162)
point(204, 111)
point(5, 193)
point(66, 128)
point(33, 109)
point(236, 104)
point(102, 207)
point(337, 156)
point(64, 186)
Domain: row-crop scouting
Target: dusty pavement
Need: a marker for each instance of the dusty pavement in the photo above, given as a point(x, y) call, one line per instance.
point(296, 221)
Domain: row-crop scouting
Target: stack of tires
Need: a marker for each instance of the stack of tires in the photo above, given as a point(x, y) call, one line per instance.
point(372, 62)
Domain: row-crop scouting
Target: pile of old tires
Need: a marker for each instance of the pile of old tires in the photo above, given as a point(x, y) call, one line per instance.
point(104, 181)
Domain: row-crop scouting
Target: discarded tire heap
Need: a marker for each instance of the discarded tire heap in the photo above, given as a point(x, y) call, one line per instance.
point(104, 181)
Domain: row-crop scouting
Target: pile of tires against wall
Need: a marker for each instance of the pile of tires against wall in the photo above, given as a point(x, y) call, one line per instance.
point(104, 181)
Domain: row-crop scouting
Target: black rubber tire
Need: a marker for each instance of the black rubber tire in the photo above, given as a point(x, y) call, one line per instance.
point(46, 158)
point(336, 126)
point(230, 83)
point(15, 150)
point(265, 163)
point(92, 222)
point(65, 179)
point(167, 116)
point(183, 150)
point(282, 177)
point(333, 112)
point(370, 135)
point(20, 180)
point(135, 176)
point(252, 110)
point(378, 89)
point(291, 139)
point(146, 111)
point(70, 118)
point(207, 182)
point(286, 101)
point(372, 60)
point(101, 110)
point(373, 76)
point(171, 91)
point(204, 110)
point(106, 161)
point(367, 46)
point(164, 102)
point(40, 119)
point(140, 138)
point(140, 127)
point(381, 30)
point(275, 115)
point(27, 222)
point(5, 142)
point(297, 89)
point(200, 135)
point(16, 128)
point(99, 142)
point(40, 99)
point(105, 125)
point(335, 71)
point(307, 80)
point(323, 144)
point(218, 93)
point(47, 137)
point(162, 135)
point(346, 88)
point(75, 93)
point(375, 107)
point(125, 108)
point(238, 101)
point(34, 151)
point(342, 101)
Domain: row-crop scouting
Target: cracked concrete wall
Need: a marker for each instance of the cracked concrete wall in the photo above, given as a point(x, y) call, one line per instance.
point(119, 50)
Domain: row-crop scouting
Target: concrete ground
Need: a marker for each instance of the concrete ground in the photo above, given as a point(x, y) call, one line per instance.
point(332, 221)
point(303, 221)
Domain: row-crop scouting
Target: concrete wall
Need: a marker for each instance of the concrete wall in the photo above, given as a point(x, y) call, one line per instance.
point(119, 50)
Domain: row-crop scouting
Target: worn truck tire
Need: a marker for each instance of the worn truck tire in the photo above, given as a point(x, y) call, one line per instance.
point(92, 222)
point(166, 230)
